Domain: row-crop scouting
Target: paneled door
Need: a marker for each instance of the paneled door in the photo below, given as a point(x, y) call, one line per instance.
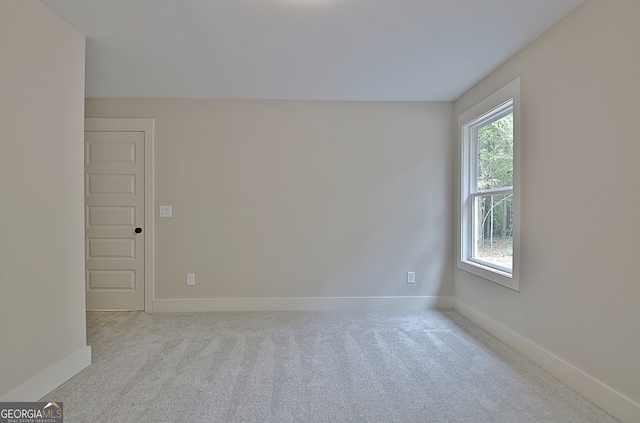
point(115, 215)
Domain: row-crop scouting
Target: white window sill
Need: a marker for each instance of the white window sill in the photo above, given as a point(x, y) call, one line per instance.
point(489, 273)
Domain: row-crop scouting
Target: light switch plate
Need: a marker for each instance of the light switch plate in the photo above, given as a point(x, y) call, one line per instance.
point(165, 211)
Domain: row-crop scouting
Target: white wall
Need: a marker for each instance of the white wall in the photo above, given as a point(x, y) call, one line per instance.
point(294, 204)
point(579, 304)
point(42, 319)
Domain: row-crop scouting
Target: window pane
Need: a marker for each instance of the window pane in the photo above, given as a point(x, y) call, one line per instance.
point(495, 154)
point(493, 229)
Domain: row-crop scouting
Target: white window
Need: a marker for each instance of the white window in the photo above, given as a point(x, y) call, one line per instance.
point(490, 187)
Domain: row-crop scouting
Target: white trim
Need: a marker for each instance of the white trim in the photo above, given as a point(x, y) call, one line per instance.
point(496, 102)
point(149, 213)
point(145, 125)
point(302, 303)
point(605, 397)
point(51, 378)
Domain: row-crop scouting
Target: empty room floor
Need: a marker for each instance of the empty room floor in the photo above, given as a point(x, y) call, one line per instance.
point(310, 366)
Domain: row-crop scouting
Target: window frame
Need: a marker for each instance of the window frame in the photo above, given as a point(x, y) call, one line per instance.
point(499, 104)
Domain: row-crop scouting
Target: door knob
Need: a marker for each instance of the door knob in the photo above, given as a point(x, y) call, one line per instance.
point(138, 230)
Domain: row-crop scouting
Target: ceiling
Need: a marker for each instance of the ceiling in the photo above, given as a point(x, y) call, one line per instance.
point(389, 50)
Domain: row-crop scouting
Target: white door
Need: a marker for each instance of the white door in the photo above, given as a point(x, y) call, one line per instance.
point(115, 214)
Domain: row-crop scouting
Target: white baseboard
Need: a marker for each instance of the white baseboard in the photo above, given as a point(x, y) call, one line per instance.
point(51, 378)
point(605, 397)
point(305, 303)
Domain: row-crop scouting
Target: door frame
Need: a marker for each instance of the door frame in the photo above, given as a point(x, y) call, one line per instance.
point(145, 125)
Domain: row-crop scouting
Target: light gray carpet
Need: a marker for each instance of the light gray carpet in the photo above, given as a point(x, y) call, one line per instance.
point(360, 366)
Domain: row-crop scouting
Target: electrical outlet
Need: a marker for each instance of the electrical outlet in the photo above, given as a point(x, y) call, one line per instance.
point(191, 278)
point(411, 277)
